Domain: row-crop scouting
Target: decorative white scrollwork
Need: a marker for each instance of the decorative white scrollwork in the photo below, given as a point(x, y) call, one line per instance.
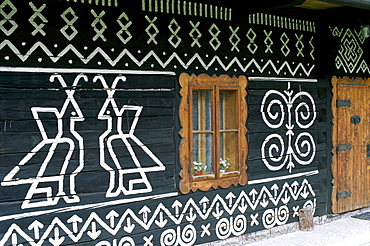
point(185, 237)
point(277, 150)
point(276, 216)
point(226, 227)
point(125, 241)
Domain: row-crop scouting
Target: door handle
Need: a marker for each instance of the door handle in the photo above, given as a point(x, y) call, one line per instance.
point(355, 119)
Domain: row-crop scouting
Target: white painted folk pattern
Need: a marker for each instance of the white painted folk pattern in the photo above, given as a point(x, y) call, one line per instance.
point(232, 208)
point(106, 139)
point(186, 62)
point(69, 196)
point(97, 2)
point(69, 24)
point(99, 22)
point(276, 155)
point(174, 28)
point(38, 16)
point(350, 55)
point(198, 34)
point(189, 8)
point(105, 144)
point(8, 17)
point(281, 22)
point(124, 28)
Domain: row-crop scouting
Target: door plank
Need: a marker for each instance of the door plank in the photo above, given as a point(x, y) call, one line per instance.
point(350, 166)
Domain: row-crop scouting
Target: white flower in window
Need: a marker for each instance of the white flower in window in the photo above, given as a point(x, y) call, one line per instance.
point(198, 167)
point(224, 164)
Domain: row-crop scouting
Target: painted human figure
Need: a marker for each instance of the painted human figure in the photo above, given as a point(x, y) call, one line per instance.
point(50, 142)
point(119, 180)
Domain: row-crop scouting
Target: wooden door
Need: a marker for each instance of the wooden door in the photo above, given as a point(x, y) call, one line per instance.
point(351, 142)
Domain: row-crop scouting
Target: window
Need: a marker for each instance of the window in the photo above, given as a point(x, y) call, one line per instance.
point(213, 114)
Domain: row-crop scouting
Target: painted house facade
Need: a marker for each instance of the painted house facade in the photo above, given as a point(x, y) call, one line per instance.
point(167, 122)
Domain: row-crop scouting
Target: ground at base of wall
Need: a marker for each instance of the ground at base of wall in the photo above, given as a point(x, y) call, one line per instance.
point(280, 230)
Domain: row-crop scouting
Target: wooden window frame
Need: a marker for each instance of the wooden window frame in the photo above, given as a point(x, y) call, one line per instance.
point(204, 182)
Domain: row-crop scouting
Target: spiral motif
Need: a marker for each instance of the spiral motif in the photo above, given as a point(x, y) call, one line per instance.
point(305, 148)
point(188, 235)
point(268, 218)
point(305, 113)
point(240, 225)
point(272, 111)
point(223, 229)
point(311, 204)
point(168, 237)
point(277, 216)
point(275, 152)
point(125, 241)
point(282, 215)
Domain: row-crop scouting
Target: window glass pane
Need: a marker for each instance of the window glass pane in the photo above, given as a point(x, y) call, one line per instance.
point(202, 154)
point(228, 110)
point(201, 107)
point(228, 151)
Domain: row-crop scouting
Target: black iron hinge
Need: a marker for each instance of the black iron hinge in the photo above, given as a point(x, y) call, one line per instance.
point(342, 147)
point(343, 103)
point(344, 194)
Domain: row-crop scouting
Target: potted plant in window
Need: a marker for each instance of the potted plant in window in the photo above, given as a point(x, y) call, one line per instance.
point(198, 168)
point(224, 164)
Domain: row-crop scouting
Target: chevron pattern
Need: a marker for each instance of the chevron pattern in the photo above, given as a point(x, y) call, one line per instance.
point(294, 69)
point(114, 222)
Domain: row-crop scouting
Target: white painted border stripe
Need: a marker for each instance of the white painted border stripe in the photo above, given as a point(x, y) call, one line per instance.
point(274, 79)
point(82, 70)
point(260, 181)
point(87, 206)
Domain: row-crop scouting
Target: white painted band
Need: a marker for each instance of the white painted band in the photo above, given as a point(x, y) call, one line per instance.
point(82, 70)
point(87, 206)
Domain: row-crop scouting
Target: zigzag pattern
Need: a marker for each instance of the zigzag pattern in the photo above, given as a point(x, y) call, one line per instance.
point(216, 60)
point(127, 221)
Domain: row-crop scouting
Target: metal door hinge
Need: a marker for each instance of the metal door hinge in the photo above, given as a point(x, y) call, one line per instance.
point(344, 194)
point(343, 103)
point(368, 150)
point(342, 147)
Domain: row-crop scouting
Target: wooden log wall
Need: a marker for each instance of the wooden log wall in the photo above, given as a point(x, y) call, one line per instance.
point(89, 122)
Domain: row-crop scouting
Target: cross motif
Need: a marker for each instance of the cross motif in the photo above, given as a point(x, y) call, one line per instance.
point(234, 36)
point(38, 27)
point(148, 240)
point(205, 230)
point(268, 41)
point(98, 19)
point(156, 31)
point(254, 219)
point(299, 45)
point(199, 34)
